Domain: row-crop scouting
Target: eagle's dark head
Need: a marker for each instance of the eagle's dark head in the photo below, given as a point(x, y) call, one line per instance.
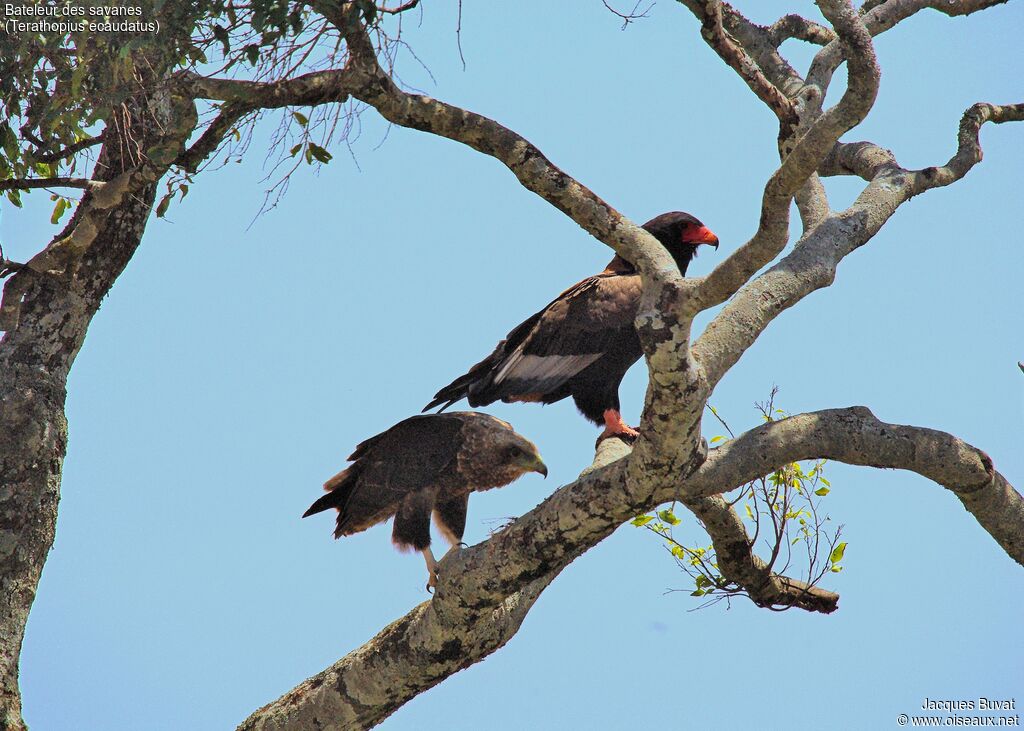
point(681, 234)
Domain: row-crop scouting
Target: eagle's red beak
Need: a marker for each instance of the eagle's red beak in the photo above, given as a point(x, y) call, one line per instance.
point(701, 235)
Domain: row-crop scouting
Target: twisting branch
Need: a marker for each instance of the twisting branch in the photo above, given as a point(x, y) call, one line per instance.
point(863, 159)
point(800, 164)
point(740, 61)
point(968, 153)
point(880, 17)
point(800, 28)
point(812, 264)
point(855, 436)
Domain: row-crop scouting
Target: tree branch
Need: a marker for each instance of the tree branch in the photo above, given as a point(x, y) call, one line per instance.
point(68, 151)
point(855, 436)
point(317, 87)
point(863, 159)
point(740, 565)
point(483, 594)
point(880, 17)
point(968, 153)
point(812, 263)
point(485, 591)
point(740, 61)
point(800, 28)
point(530, 166)
point(800, 164)
point(29, 183)
point(210, 140)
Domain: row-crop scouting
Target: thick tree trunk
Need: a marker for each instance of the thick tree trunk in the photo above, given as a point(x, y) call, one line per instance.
point(35, 358)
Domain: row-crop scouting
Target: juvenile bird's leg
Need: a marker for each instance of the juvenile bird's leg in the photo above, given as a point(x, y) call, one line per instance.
point(428, 556)
point(614, 426)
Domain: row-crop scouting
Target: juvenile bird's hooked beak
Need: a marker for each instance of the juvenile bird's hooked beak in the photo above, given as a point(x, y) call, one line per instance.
point(540, 468)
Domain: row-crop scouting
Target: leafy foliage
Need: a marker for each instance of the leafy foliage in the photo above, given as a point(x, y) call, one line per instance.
point(781, 509)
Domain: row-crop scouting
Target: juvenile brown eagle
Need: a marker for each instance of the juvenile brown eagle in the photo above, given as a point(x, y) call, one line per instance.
point(582, 343)
point(423, 465)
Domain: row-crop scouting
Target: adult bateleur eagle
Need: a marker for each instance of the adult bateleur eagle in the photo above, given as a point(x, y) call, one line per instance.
point(423, 465)
point(582, 343)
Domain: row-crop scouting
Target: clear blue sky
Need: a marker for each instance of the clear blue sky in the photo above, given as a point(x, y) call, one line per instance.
point(232, 369)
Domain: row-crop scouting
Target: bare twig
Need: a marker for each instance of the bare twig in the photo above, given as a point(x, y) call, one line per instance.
point(29, 183)
point(69, 151)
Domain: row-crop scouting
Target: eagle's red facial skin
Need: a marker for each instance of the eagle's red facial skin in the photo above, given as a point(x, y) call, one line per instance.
point(699, 235)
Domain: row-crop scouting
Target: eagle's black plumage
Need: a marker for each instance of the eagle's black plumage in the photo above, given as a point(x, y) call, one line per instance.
point(423, 465)
point(582, 343)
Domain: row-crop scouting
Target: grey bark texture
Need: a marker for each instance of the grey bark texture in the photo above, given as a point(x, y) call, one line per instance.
point(53, 310)
point(485, 591)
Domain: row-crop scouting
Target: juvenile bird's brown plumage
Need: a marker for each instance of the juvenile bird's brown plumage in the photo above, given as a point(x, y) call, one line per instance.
point(582, 343)
point(423, 465)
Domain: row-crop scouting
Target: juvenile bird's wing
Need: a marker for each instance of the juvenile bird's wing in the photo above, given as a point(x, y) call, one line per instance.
point(409, 457)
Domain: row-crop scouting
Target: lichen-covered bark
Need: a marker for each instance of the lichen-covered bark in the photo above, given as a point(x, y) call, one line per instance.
point(36, 355)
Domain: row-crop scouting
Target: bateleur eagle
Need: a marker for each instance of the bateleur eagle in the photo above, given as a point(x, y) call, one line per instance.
point(423, 465)
point(582, 343)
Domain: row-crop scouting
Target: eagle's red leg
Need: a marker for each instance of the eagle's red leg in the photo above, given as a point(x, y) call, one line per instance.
point(614, 426)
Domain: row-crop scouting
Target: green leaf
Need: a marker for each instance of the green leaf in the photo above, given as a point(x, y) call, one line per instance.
point(825, 482)
point(750, 513)
point(669, 517)
point(837, 553)
point(184, 190)
point(295, 150)
point(165, 202)
point(822, 491)
point(58, 210)
point(699, 592)
point(301, 118)
point(320, 153)
point(14, 196)
point(717, 439)
point(641, 520)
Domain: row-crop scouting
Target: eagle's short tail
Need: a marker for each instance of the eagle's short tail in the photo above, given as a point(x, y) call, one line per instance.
point(463, 386)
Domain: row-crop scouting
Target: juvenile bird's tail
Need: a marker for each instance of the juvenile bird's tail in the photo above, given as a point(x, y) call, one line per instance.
point(339, 489)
